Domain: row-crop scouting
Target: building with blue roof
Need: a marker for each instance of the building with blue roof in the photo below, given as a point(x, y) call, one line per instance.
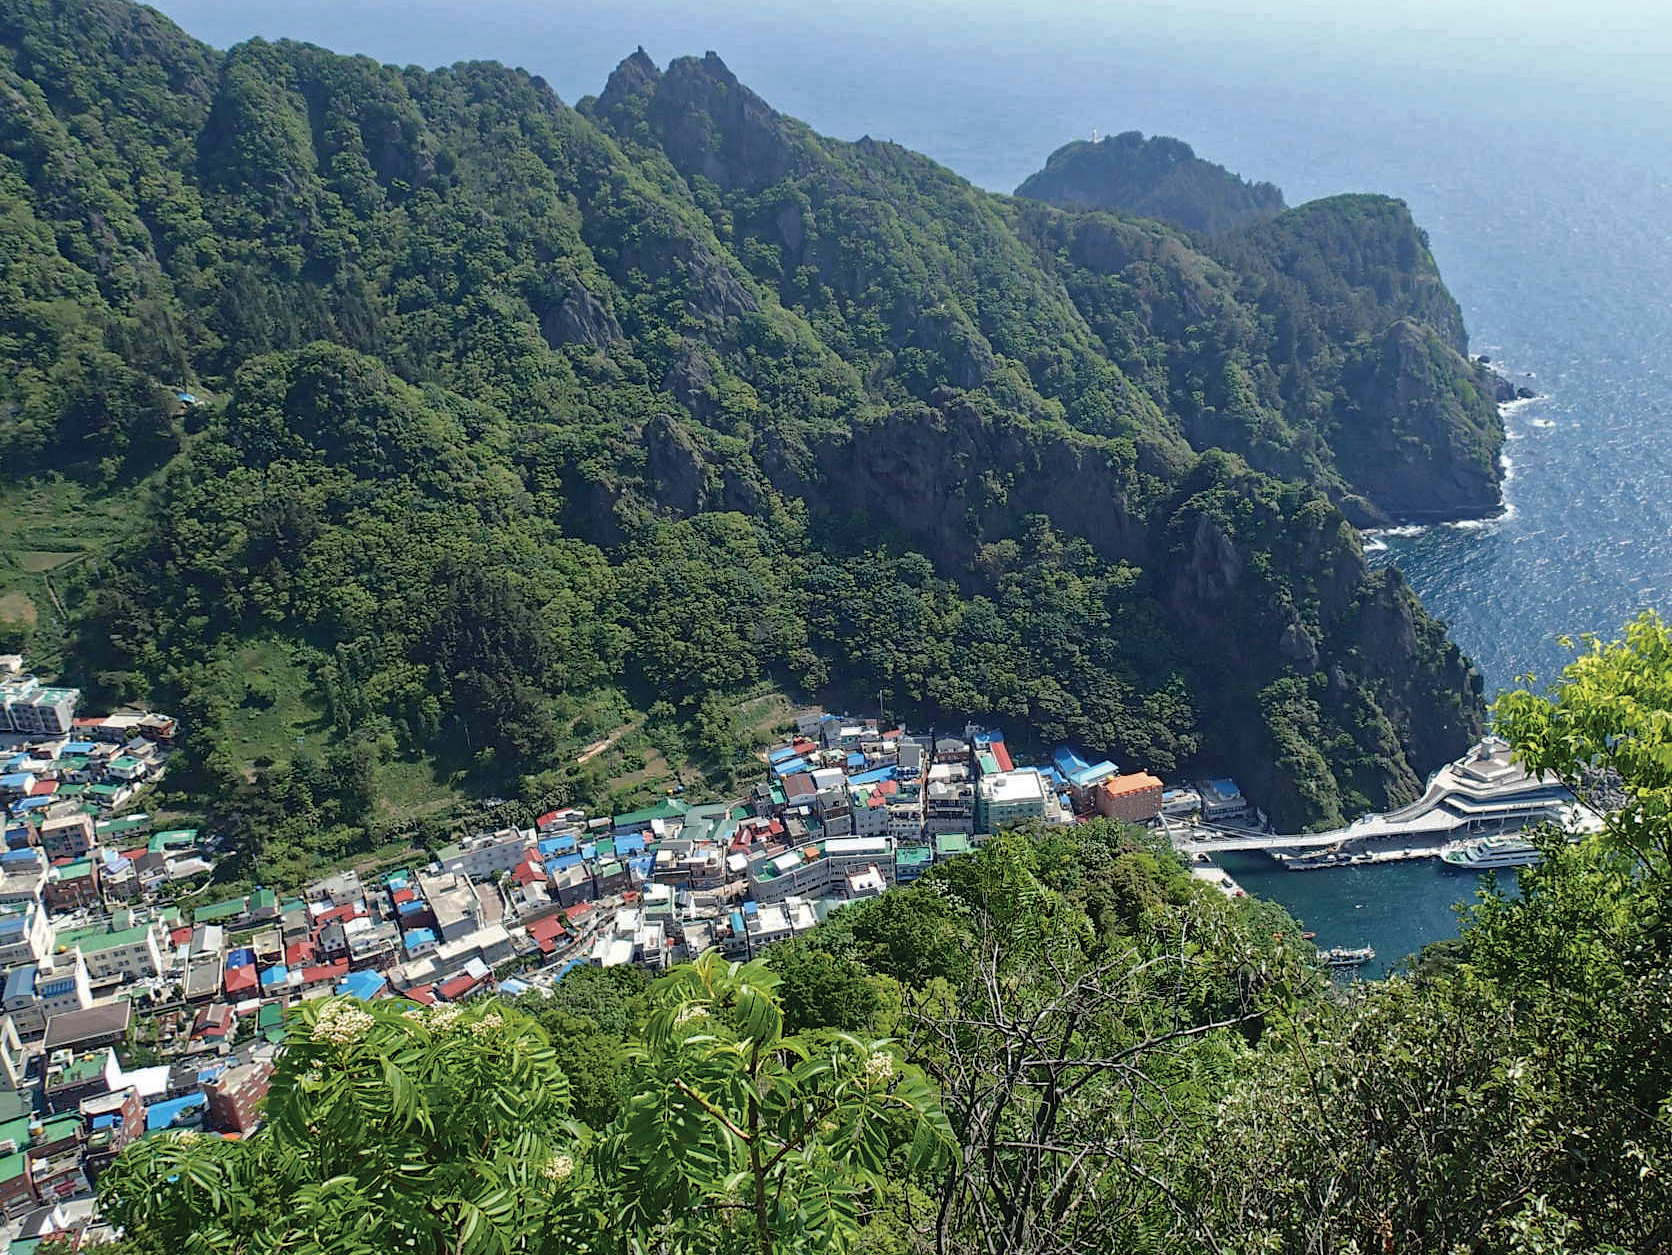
point(632, 843)
point(176, 1113)
point(241, 957)
point(364, 985)
point(412, 908)
point(1094, 774)
point(76, 748)
point(856, 759)
point(789, 766)
point(553, 846)
point(1067, 761)
point(276, 975)
point(31, 803)
point(780, 754)
point(417, 939)
point(875, 776)
point(20, 982)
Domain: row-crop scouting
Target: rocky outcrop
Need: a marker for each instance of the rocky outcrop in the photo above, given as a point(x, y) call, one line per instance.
point(578, 317)
point(1159, 178)
point(951, 478)
point(1417, 429)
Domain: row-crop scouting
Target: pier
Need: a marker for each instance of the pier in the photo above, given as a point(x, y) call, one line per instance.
point(1481, 793)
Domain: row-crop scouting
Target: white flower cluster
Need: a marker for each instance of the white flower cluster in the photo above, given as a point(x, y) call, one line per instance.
point(341, 1022)
point(558, 1168)
point(687, 1014)
point(879, 1067)
point(443, 1017)
point(487, 1024)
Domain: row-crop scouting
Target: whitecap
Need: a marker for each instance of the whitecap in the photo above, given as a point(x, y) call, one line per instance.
point(1475, 525)
point(1408, 529)
point(1543, 424)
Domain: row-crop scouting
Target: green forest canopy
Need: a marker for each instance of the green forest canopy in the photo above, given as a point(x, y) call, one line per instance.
point(515, 419)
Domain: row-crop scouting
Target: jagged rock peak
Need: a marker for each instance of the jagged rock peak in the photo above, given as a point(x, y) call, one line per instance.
point(636, 75)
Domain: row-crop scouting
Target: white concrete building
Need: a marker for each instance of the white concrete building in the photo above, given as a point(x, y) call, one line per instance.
point(488, 854)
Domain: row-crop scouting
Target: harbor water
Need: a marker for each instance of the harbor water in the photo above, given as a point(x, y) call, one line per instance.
point(1395, 908)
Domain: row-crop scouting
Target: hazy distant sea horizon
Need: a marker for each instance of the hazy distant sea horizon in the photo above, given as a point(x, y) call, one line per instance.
point(1543, 179)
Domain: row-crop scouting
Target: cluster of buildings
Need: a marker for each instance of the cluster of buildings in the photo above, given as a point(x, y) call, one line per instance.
point(96, 969)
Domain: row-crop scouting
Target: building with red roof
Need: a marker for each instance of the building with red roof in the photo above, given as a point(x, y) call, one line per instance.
point(326, 974)
point(1001, 756)
point(339, 914)
point(240, 980)
point(457, 987)
point(546, 932)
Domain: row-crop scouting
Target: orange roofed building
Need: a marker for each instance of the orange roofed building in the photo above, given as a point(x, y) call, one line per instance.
point(1135, 798)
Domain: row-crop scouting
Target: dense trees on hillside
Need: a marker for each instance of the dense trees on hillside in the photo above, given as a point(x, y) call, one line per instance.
point(510, 411)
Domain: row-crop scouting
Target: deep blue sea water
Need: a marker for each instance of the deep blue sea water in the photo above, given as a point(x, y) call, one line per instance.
point(1531, 146)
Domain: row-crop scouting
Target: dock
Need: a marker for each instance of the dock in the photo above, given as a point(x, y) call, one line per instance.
point(1483, 793)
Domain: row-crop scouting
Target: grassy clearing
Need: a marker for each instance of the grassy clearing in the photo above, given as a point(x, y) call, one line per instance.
point(410, 788)
point(17, 607)
point(766, 714)
point(36, 560)
point(274, 715)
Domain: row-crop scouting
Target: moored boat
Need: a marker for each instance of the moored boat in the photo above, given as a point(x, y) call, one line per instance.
point(1486, 853)
point(1346, 956)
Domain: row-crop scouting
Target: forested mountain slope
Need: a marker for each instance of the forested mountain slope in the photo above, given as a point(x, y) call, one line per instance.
point(514, 403)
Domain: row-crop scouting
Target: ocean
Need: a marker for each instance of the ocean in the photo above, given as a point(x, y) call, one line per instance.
point(1532, 150)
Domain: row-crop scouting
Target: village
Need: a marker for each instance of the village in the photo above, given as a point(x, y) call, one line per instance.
point(127, 1015)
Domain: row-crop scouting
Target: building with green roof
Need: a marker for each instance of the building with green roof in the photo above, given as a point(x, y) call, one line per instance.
point(173, 839)
point(116, 829)
point(950, 845)
point(217, 911)
point(670, 808)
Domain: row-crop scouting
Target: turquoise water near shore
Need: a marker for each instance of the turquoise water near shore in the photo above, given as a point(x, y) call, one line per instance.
point(1539, 164)
point(1395, 907)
